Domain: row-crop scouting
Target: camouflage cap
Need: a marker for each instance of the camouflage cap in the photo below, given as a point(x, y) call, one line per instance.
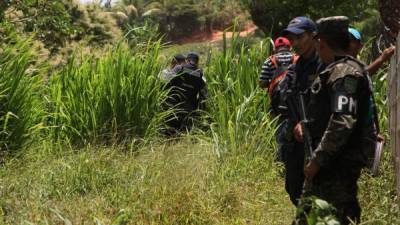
point(333, 26)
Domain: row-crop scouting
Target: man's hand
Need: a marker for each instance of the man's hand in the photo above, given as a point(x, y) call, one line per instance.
point(380, 138)
point(298, 132)
point(311, 170)
point(387, 53)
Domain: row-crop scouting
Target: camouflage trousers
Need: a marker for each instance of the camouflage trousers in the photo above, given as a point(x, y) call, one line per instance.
point(337, 186)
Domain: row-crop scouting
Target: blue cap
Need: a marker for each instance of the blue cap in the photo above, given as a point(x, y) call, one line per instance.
point(192, 55)
point(355, 34)
point(300, 25)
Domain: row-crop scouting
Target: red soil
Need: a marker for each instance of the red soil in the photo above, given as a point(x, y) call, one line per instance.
point(215, 35)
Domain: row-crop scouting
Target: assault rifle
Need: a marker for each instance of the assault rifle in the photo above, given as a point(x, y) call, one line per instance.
point(297, 111)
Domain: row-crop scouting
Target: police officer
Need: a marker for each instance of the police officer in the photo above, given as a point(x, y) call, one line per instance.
point(176, 65)
point(300, 32)
point(188, 91)
point(342, 128)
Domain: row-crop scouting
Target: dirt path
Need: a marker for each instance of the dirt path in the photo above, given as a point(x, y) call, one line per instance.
point(216, 35)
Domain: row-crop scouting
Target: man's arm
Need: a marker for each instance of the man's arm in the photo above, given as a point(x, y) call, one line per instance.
point(385, 56)
point(267, 72)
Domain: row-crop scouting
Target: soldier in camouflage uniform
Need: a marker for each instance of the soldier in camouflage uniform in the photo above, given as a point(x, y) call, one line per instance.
point(342, 128)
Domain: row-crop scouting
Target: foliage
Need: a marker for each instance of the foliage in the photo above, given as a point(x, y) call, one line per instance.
point(223, 176)
point(182, 18)
point(49, 19)
point(317, 212)
point(107, 99)
point(271, 16)
point(57, 23)
point(20, 96)
point(238, 109)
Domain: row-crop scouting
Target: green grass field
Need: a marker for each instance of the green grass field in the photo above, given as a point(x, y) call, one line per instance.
point(82, 145)
point(180, 182)
point(177, 182)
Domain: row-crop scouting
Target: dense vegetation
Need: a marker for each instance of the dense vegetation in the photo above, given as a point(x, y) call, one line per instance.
point(272, 16)
point(81, 142)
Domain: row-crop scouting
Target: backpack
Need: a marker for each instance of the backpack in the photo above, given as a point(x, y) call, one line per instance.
point(280, 72)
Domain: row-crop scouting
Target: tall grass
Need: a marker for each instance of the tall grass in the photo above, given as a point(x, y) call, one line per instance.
point(380, 203)
point(21, 107)
point(112, 98)
point(238, 109)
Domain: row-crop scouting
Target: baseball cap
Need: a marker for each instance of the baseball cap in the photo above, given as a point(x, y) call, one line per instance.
point(300, 25)
point(281, 41)
point(355, 34)
point(192, 55)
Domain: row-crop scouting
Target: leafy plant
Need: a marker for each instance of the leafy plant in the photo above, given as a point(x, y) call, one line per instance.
point(317, 212)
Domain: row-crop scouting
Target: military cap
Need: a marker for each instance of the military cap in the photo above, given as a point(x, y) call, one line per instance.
point(333, 26)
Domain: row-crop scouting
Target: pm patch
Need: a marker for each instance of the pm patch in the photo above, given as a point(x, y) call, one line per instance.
point(345, 103)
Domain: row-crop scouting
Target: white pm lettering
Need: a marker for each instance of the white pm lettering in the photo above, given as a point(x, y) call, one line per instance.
point(350, 102)
point(353, 105)
point(342, 100)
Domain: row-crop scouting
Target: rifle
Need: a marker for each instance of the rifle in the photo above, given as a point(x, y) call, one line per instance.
point(297, 111)
point(308, 149)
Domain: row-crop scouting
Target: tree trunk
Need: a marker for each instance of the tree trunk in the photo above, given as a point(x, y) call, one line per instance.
point(390, 14)
point(394, 111)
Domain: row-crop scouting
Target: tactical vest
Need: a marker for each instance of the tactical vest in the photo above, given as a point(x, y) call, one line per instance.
point(360, 147)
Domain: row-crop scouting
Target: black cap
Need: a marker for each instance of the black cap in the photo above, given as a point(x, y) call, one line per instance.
point(333, 26)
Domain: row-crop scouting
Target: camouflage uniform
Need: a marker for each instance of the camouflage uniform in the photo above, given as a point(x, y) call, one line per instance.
point(343, 131)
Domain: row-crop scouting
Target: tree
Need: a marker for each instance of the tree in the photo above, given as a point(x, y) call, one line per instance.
point(390, 13)
point(50, 20)
point(271, 16)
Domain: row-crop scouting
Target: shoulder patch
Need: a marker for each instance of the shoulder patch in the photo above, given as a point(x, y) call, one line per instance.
point(342, 70)
point(350, 84)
